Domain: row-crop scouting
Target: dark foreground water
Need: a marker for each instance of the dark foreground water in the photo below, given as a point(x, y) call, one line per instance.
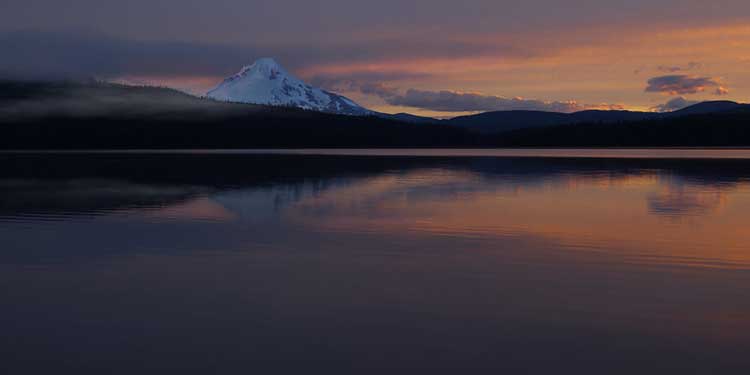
point(298, 264)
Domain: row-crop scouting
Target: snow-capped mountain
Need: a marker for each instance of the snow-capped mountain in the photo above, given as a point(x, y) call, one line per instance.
point(266, 82)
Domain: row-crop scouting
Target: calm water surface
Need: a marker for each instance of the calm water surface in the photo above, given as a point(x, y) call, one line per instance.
point(375, 262)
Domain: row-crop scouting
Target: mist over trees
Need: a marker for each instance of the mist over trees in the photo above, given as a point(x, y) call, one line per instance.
point(92, 115)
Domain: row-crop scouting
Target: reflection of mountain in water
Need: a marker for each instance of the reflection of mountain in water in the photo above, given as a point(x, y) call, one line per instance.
point(80, 184)
point(86, 196)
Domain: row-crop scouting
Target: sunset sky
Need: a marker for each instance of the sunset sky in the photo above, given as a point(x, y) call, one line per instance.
point(430, 57)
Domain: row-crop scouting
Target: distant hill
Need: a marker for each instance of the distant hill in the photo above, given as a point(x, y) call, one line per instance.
point(407, 117)
point(503, 121)
point(708, 107)
point(597, 116)
point(500, 121)
point(725, 128)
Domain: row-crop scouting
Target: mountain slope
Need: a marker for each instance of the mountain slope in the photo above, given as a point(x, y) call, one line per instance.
point(266, 82)
point(31, 101)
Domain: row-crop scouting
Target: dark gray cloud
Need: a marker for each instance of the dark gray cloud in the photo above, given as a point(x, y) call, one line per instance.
point(684, 84)
point(79, 55)
point(675, 104)
point(451, 101)
point(237, 21)
point(216, 37)
point(379, 89)
point(46, 54)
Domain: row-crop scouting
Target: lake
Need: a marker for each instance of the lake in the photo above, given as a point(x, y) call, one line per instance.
point(375, 261)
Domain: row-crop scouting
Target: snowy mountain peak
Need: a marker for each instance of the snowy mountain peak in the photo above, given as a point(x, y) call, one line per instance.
point(266, 66)
point(267, 82)
point(268, 62)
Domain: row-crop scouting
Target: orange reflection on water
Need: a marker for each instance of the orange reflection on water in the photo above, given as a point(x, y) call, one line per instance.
point(641, 218)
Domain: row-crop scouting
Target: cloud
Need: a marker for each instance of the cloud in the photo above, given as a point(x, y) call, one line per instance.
point(453, 101)
point(684, 84)
point(675, 104)
point(42, 55)
point(379, 89)
point(368, 82)
point(721, 91)
point(33, 54)
point(679, 68)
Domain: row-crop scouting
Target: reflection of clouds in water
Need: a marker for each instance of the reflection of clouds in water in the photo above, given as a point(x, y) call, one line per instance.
point(588, 215)
point(685, 202)
point(389, 194)
point(681, 197)
point(380, 195)
point(379, 187)
point(485, 200)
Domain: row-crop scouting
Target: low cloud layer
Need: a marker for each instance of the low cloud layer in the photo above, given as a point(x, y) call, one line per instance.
point(367, 82)
point(453, 101)
point(680, 84)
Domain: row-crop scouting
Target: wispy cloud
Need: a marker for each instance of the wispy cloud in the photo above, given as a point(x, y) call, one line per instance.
point(368, 82)
point(453, 101)
point(693, 65)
